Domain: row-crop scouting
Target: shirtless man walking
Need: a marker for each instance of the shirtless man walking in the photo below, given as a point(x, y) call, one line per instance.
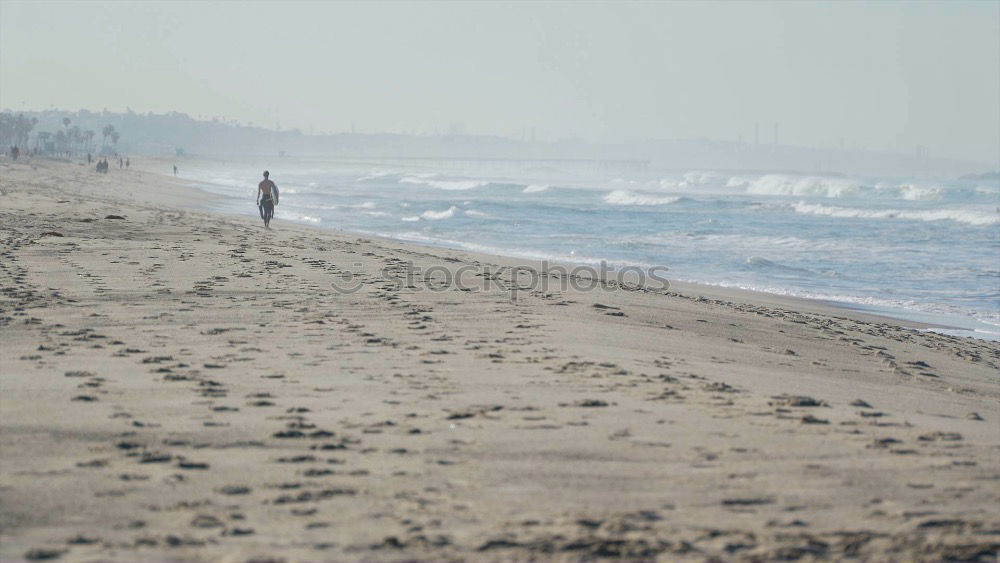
point(267, 198)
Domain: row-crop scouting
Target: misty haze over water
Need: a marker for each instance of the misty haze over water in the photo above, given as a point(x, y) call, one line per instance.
point(896, 77)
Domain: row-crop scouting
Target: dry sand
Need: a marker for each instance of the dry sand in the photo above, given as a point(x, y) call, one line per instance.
point(178, 385)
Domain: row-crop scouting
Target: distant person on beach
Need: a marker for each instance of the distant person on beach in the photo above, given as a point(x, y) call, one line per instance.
point(89, 159)
point(175, 170)
point(127, 163)
point(267, 198)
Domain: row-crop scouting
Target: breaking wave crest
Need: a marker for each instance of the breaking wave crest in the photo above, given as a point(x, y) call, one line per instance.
point(444, 184)
point(626, 197)
point(967, 216)
point(431, 215)
point(534, 188)
point(778, 184)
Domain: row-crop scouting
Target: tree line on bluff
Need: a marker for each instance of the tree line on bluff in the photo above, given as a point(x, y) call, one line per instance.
point(16, 131)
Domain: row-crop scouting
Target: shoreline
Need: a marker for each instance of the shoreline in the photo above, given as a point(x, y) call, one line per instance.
point(186, 386)
point(873, 313)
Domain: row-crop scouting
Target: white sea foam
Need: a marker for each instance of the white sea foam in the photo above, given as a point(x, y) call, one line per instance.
point(626, 197)
point(968, 216)
point(437, 215)
point(443, 184)
point(780, 184)
point(689, 181)
point(698, 178)
point(535, 188)
point(291, 216)
point(335, 206)
point(914, 192)
point(737, 182)
point(821, 186)
point(738, 242)
point(475, 213)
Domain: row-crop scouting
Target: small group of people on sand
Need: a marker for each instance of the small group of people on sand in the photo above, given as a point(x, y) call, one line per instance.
point(102, 165)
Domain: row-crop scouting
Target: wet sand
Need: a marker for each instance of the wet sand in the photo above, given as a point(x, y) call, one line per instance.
point(177, 385)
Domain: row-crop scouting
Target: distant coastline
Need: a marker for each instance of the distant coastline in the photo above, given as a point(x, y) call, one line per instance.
point(175, 133)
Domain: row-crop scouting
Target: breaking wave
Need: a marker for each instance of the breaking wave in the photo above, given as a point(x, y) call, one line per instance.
point(779, 184)
point(534, 188)
point(735, 242)
point(626, 197)
point(967, 216)
point(431, 215)
point(444, 184)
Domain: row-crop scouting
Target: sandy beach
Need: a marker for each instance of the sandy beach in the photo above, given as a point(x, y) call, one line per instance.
point(186, 386)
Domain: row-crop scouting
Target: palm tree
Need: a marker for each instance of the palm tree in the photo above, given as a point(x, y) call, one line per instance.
point(114, 138)
point(88, 135)
point(107, 131)
point(15, 130)
point(60, 141)
point(43, 139)
point(24, 127)
point(6, 128)
point(75, 137)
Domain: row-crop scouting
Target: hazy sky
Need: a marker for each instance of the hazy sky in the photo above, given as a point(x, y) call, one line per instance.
point(880, 75)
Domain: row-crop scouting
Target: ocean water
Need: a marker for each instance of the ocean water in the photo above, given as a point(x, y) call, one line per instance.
point(926, 250)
